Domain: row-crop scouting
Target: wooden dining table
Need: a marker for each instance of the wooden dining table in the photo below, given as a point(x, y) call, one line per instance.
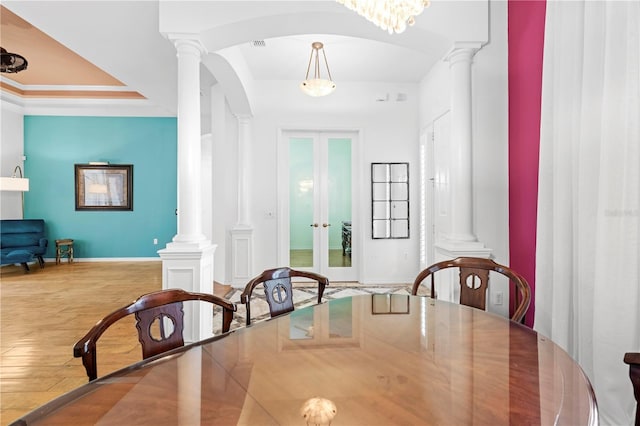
point(379, 359)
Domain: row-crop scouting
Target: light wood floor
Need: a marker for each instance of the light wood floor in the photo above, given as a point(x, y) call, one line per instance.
point(304, 258)
point(42, 315)
point(44, 312)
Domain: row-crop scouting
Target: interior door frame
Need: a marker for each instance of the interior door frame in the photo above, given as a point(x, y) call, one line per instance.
point(429, 231)
point(284, 134)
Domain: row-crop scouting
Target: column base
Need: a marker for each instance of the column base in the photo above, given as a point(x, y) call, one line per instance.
point(189, 266)
point(186, 246)
point(450, 249)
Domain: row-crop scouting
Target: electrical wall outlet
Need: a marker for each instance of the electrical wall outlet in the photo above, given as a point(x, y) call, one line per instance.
point(155, 241)
point(498, 298)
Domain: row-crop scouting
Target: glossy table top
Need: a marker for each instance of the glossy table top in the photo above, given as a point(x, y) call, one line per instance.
point(380, 359)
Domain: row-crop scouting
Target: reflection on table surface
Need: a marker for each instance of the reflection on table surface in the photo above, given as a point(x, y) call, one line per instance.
point(381, 359)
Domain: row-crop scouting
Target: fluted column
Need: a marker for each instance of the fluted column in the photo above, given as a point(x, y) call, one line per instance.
point(189, 147)
point(460, 60)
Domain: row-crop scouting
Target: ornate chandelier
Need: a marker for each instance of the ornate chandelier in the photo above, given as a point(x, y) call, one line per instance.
point(390, 15)
point(317, 86)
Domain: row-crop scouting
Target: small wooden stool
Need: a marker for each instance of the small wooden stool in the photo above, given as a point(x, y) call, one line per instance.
point(64, 248)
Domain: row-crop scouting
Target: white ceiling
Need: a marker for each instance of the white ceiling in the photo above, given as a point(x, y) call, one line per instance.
point(349, 59)
point(123, 38)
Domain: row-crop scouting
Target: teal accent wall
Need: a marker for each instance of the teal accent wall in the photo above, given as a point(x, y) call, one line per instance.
point(53, 144)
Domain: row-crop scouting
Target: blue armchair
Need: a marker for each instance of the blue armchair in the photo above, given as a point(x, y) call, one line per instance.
point(21, 240)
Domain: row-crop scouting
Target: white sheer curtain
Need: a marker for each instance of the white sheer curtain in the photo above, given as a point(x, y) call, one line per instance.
point(588, 267)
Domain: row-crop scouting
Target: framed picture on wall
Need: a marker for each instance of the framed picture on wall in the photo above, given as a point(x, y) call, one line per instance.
point(104, 186)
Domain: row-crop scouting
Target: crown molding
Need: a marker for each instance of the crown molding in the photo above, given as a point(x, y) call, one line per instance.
point(67, 91)
point(83, 106)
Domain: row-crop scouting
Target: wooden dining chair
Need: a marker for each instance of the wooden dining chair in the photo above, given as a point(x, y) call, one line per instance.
point(474, 282)
point(159, 320)
point(633, 359)
point(278, 289)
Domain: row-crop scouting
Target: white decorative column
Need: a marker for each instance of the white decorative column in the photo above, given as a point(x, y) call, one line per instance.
point(187, 262)
point(189, 147)
point(461, 241)
point(460, 60)
point(242, 232)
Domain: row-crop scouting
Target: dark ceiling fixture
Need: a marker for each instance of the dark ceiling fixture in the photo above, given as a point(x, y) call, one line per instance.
point(12, 62)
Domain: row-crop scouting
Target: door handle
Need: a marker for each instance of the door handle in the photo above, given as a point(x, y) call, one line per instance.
point(314, 225)
point(324, 225)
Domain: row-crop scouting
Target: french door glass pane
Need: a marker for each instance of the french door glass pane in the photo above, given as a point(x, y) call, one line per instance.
point(301, 187)
point(339, 202)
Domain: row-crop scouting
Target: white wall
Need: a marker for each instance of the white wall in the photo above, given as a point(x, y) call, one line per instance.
point(388, 132)
point(11, 154)
point(435, 94)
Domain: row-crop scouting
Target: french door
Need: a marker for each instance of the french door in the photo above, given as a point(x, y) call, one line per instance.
point(317, 231)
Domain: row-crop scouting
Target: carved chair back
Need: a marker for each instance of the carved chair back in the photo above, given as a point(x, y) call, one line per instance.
point(474, 283)
point(278, 289)
point(159, 321)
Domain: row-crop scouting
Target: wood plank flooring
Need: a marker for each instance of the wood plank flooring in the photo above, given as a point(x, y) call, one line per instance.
point(42, 315)
point(44, 312)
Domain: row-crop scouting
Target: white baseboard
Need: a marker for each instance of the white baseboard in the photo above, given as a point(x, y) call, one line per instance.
point(106, 259)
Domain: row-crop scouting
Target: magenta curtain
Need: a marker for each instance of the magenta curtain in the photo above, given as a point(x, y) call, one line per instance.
point(526, 21)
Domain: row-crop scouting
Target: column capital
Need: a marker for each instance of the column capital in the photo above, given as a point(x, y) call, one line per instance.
point(462, 51)
point(186, 42)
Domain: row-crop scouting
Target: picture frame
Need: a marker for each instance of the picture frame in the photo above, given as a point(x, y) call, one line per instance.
point(104, 186)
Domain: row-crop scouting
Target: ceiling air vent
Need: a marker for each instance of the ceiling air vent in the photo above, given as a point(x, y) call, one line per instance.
point(258, 43)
